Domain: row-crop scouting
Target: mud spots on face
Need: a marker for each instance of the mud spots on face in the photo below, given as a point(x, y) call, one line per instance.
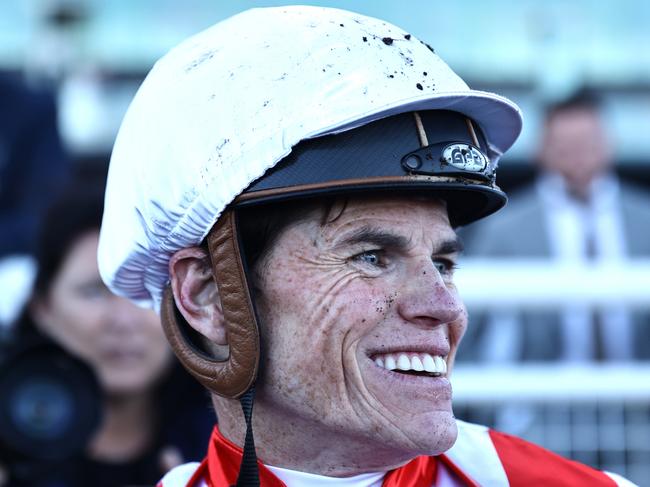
point(365, 39)
point(419, 86)
point(407, 37)
point(387, 40)
point(383, 306)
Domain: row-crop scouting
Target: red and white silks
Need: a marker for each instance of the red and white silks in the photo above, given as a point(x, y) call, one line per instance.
point(480, 457)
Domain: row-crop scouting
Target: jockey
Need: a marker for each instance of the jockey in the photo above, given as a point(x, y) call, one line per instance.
point(285, 189)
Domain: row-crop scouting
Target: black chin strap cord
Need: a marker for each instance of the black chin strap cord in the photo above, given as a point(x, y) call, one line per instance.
point(248, 473)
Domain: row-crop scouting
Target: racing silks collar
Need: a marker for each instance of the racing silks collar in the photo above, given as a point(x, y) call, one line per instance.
point(221, 467)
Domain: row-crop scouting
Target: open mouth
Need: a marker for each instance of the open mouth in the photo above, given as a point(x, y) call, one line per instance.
point(418, 364)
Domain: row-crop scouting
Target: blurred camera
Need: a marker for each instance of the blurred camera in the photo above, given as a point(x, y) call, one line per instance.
point(49, 406)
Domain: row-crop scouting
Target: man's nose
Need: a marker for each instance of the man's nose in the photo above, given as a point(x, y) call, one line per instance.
point(426, 299)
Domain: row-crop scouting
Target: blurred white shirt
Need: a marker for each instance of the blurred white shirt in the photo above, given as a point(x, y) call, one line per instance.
point(586, 231)
point(578, 231)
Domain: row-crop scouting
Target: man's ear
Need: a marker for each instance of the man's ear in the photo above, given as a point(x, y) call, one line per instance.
point(227, 322)
point(196, 294)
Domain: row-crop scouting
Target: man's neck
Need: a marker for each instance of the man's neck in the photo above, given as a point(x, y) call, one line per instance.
point(298, 444)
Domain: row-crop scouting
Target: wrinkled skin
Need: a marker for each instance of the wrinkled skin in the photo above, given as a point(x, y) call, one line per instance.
point(331, 299)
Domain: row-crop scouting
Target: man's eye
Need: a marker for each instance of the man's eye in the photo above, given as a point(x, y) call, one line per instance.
point(371, 257)
point(445, 267)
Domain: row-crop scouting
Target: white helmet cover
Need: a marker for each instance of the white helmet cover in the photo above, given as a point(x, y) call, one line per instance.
point(223, 107)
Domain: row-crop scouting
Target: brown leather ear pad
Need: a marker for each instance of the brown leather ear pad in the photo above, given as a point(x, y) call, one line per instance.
point(233, 377)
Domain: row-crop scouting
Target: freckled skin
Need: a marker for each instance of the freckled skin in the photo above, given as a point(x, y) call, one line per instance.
point(322, 405)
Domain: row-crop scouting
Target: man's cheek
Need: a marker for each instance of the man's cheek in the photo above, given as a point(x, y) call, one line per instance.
point(459, 327)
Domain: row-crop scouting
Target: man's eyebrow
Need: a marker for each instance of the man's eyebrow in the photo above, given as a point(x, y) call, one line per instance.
point(385, 239)
point(380, 238)
point(450, 246)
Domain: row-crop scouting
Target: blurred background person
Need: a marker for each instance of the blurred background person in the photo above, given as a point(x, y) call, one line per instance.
point(33, 168)
point(153, 415)
point(576, 211)
point(33, 164)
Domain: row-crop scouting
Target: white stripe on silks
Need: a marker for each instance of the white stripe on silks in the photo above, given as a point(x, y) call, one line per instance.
point(181, 475)
point(620, 481)
point(475, 454)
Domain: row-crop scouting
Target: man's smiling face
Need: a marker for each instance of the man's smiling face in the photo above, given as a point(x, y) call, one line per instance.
point(343, 302)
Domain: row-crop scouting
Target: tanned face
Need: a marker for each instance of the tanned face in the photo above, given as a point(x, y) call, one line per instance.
point(341, 304)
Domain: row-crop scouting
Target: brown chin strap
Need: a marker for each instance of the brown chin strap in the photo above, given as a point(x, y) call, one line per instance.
point(229, 378)
point(234, 377)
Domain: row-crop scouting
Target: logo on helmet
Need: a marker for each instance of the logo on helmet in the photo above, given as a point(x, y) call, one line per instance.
point(464, 157)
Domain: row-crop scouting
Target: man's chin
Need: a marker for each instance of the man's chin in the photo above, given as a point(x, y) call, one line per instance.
point(437, 435)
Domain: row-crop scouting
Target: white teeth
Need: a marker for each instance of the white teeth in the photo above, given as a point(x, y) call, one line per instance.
point(390, 363)
point(403, 363)
point(441, 365)
point(429, 363)
point(416, 364)
point(433, 364)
